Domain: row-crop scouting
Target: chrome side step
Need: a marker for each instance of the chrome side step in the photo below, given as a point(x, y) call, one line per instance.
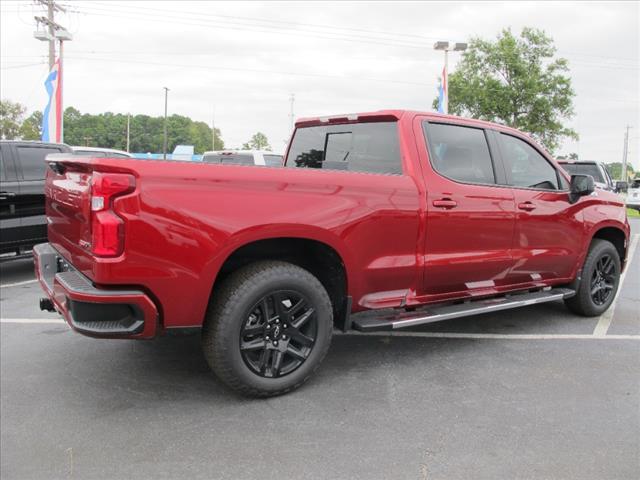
point(447, 312)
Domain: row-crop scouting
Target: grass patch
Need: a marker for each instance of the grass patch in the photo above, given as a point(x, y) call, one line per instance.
point(631, 213)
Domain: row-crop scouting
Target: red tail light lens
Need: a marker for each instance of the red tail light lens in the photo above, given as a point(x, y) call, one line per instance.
point(107, 228)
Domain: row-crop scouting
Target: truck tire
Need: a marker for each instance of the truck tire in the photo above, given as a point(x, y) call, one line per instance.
point(268, 328)
point(600, 280)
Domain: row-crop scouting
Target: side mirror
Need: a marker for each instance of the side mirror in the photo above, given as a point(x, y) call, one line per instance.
point(581, 185)
point(622, 186)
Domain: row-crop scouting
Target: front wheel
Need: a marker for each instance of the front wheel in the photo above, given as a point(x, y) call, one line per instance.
point(268, 328)
point(600, 280)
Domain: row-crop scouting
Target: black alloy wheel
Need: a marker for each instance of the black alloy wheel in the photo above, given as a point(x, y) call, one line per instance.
point(603, 279)
point(278, 334)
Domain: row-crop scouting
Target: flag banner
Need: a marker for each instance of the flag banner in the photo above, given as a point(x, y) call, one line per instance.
point(442, 92)
point(52, 116)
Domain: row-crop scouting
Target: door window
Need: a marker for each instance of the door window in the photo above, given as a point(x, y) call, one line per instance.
point(31, 160)
point(460, 153)
point(528, 168)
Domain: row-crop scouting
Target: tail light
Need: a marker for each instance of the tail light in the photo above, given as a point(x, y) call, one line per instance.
point(107, 228)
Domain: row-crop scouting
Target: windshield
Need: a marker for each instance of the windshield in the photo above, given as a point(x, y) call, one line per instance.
point(584, 169)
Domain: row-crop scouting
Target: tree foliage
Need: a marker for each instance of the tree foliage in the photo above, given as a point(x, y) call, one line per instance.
point(615, 170)
point(109, 130)
point(259, 141)
point(515, 81)
point(31, 128)
point(11, 115)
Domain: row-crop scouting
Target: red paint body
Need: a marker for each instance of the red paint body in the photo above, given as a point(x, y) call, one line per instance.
point(183, 220)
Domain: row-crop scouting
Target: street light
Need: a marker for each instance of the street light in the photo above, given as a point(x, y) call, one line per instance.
point(447, 47)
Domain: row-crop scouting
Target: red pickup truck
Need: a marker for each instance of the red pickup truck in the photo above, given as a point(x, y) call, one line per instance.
point(432, 216)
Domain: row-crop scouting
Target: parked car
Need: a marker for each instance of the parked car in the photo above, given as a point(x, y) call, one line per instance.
point(244, 157)
point(96, 152)
point(434, 216)
point(633, 195)
point(22, 215)
point(599, 172)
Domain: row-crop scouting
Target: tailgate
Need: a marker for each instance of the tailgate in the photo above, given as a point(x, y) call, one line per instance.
point(68, 205)
point(81, 197)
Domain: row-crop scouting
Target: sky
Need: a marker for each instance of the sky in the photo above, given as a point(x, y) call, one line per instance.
point(237, 63)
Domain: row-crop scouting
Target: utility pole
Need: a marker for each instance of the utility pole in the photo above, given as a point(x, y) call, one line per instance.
point(52, 44)
point(625, 154)
point(164, 148)
point(291, 116)
point(54, 32)
point(128, 127)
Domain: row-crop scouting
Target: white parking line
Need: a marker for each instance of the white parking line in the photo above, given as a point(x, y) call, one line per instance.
point(605, 319)
point(491, 336)
point(33, 320)
point(17, 284)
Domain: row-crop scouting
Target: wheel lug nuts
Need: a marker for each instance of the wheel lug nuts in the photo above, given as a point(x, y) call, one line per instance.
point(278, 321)
point(268, 327)
point(284, 337)
point(267, 337)
point(275, 343)
point(284, 326)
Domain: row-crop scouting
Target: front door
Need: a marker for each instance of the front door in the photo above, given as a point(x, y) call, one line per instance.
point(470, 213)
point(548, 232)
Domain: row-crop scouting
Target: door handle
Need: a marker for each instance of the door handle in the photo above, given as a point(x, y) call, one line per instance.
point(528, 206)
point(5, 195)
point(445, 203)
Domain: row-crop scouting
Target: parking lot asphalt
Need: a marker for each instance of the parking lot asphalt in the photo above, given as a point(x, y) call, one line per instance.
point(523, 394)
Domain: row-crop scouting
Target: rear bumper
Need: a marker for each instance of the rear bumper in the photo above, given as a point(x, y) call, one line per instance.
point(117, 313)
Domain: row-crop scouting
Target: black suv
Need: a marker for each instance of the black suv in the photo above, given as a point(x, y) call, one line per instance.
point(22, 169)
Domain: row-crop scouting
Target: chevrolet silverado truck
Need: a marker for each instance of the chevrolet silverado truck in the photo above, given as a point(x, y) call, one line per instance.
point(413, 217)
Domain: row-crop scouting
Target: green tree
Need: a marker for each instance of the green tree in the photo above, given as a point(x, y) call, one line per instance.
point(615, 170)
point(31, 128)
point(571, 156)
point(516, 81)
point(11, 115)
point(259, 141)
point(109, 130)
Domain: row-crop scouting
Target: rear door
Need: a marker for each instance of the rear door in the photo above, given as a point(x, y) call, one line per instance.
point(470, 212)
point(9, 190)
point(548, 231)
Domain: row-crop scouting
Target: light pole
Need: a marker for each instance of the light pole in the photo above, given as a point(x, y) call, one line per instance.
point(164, 147)
point(447, 47)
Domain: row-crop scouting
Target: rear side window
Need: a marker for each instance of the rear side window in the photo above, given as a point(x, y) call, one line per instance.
point(31, 159)
point(273, 160)
point(229, 158)
point(460, 153)
point(528, 168)
point(359, 147)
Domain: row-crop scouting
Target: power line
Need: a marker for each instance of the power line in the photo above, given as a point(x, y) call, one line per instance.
point(269, 24)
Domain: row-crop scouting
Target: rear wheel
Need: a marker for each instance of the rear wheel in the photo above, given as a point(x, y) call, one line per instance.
point(600, 280)
point(268, 328)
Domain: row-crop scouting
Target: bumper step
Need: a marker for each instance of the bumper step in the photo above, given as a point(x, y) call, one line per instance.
point(449, 311)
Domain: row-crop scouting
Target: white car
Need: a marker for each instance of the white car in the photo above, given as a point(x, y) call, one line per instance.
point(633, 195)
point(100, 152)
point(244, 157)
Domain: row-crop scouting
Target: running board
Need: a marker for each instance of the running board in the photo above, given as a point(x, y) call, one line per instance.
point(447, 312)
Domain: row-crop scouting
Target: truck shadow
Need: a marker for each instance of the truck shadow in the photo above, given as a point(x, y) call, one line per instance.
point(173, 369)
